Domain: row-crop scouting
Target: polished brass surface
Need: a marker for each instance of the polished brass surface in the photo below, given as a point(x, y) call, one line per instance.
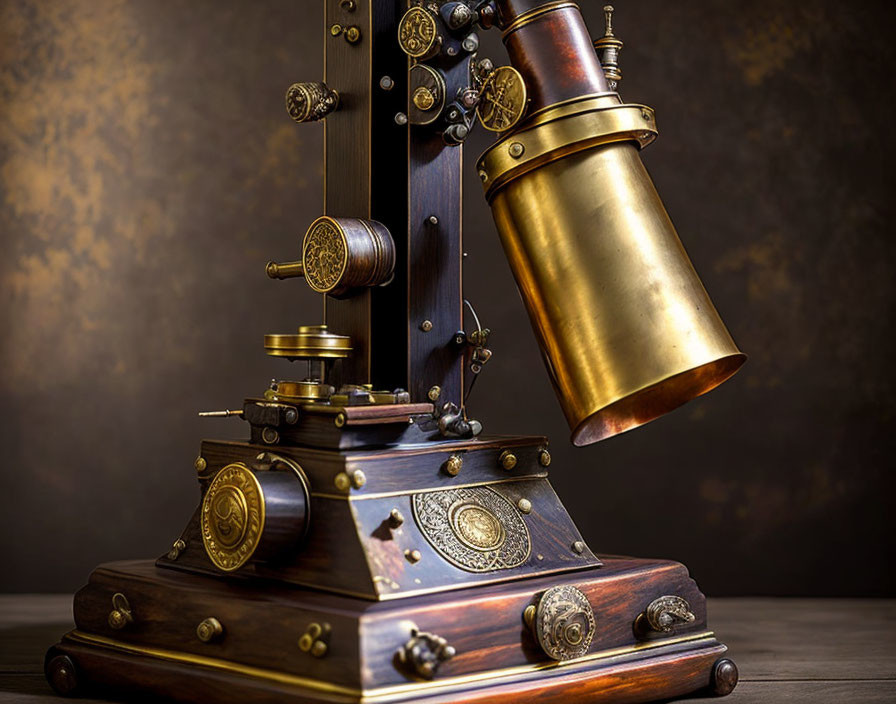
point(453, 465)
point(502, 101)
point(434, 393)
point(210, 629)
point(423, 98)
point(311, 342)
point(476, 528)
point(564, 623)
point(284, 270)
point(342, 481)
point(307, 102)
point(624, 324)
point(535, 13)
point(121, 615)
point(507, 460)
point(200, 464)
point(232, 517)
point(428, 91)
point(418, 34)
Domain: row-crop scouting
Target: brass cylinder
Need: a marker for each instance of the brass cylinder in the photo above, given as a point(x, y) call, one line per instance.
point(626, 329)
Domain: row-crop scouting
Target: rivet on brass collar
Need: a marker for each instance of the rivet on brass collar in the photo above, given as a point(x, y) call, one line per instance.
point(507, 460)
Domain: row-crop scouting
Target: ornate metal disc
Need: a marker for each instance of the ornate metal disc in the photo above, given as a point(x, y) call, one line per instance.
point(418, 33)
point(473, 528)
point(324, 255)
point(232, 519)
point(503, 99)
point(564, 623)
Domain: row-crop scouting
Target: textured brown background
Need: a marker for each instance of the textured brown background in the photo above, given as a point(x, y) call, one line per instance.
point(148, 171)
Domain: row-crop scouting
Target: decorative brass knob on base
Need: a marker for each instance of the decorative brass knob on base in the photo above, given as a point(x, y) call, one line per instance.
point(307, 102)
point(663, 615)
point(424, 652)
point(562, 622)
point(121, 615)
point(209, 630)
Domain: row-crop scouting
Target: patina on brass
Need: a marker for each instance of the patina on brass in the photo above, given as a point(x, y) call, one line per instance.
point(625, 327)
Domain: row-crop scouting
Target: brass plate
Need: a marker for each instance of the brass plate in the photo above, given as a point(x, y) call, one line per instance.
point(232, 519)
point(417, 32)
point(564, 623)
point(503, 99)
point(473, 528)
point(324, 255)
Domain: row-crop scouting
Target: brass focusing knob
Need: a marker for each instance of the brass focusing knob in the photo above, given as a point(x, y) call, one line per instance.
point(307, 102)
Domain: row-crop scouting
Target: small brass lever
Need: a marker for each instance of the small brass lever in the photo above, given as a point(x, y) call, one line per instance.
point(285, 270)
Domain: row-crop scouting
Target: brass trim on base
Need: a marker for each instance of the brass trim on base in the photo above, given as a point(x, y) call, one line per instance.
point(372, 695)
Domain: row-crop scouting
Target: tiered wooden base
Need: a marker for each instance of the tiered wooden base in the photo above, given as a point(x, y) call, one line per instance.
point(257, 657)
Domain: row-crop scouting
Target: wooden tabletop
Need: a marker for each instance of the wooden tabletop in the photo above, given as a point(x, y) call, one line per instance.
point(788, 650)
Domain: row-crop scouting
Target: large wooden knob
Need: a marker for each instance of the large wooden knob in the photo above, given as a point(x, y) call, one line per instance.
point(306, 102)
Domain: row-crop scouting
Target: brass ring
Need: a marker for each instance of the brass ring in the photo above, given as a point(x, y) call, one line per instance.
point(536, 12)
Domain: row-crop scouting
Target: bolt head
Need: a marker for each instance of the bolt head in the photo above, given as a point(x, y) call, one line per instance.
point(426, 325)
point(544, 458)
point(386, 83)
point(200, 464)
point(434, 393)
point(578, 547)
point(359, 479)
point(524, 505)
point(508, 460)
point(453, 465)
point(342, 481)
point(516, 150)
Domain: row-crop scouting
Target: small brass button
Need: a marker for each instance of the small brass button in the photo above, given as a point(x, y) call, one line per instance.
point(453, 465)
point(342, 481)
point(359, 479)
point(434, 393)
point(413, 555)
point(210, 629)
point(524, 505)
point(507, 460)
point(544, 457)
point(395, 518)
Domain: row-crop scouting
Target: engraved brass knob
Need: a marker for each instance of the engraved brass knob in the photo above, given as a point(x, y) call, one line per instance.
point(562, 622)
point(424, 652)
point(209, 630)
point(453, 465)
point(307, 102)
point(121, 615)
point(508, 460)
point(663, 615)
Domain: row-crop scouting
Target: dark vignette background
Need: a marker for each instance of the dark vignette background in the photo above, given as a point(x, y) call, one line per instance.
point(148, 171)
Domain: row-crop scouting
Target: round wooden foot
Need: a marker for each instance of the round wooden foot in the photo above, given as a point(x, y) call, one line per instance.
point(724, 677)
point(61, 673)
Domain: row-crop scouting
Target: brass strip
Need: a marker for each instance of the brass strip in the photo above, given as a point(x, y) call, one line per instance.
point(383, 494)
point(533, 14)
point(371, 695)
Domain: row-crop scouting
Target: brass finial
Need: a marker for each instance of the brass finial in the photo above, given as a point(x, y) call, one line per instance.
point(608, 48)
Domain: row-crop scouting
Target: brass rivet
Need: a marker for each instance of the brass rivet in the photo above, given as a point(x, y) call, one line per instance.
point(544, 458)
point(483, 176)
point(453, 465)
point(423, 98)
point(314, 630)
point(319, 649)
point(578, 547)
point(529, 615)
point(401, 119)
point(426, 325)
point(339, 420)
point(434, 393)
point(646, 115)
point(352, 35)
point(413, 555)
point(209, 630)
point(507, 460)
point(335, 30)
point(305, 642)
point(386, 83)
point(516, 150)
point(359, 479)
point(200, 464)
point(524, 505)
point(270, 435)
point(395, 518)
point(342, 481)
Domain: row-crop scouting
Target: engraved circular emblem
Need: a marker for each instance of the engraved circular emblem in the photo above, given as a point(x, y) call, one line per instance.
point(232, 518)
point(503, 99)
point(474, 528)
point(324, 255)
point(417, 32)
point(564, 623)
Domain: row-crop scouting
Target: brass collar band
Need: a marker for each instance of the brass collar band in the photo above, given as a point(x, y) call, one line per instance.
point(570, 128)
point(533, 14)
point(311, 342)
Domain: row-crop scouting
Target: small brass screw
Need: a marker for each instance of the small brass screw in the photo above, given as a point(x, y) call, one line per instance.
point(453, 465)
point(200, 464)
point(578, 547)
point(529, 615)
point(339, 420)
point(209, 630)
point(336, 30)
point(516, 150)
point(524, 505)
point(544, 457)
point(342, 481)
point(395, 518)
point(507, 460)
point(434, 393)
point(359, 479)
point(352, 35)
point(426, 325)
point(319, 649)
point(413, 555)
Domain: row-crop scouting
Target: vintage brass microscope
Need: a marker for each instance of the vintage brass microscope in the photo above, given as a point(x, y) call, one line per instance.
point(368, 544)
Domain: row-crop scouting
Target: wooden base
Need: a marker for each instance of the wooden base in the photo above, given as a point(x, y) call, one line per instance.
point(257, 657)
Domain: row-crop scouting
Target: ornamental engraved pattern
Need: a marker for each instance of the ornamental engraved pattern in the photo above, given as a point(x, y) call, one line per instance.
point(416, 32)
point(564, 623)
point(474, 528)
point(232, 517)
point(324, 257)
point(503, 100)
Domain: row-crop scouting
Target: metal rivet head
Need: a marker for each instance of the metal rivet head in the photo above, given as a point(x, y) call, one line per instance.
point(270, 435)
point(529, 615)
point(200, 464)
point(578, 547)
point(516, 150)
point(305, 642)
point(453, 465)
point(359, 479)
point(483, 176)
point(401, 118)
point(342, 481)
point(524, 505)
point(339, 420)
point(426, 325)
point(210, 629)
point(507, 460)
point(646, 115)
point(319, 649)
point(386, 83)
point(433, 220)
point(544, 457)
point(413, 555)
point(352, 35)
point(434, 393)
point(335, 30)
point(395, 518)
point(423, 98)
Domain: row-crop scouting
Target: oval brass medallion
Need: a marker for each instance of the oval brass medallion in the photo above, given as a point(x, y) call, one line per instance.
point(564, 623)
point(474, 528)
point(232, 519)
